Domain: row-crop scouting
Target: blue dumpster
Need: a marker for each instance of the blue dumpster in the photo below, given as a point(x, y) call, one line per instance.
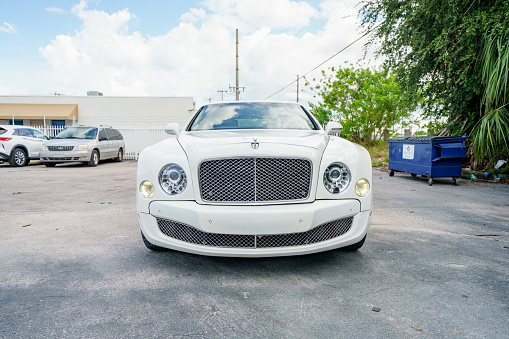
point(429, 156)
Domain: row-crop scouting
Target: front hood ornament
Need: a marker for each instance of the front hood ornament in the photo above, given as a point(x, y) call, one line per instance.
point(255, 144)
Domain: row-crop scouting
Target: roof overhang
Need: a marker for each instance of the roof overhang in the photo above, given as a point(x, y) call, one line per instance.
point(39, 111)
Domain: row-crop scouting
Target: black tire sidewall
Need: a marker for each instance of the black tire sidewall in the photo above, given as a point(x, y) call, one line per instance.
point(12, 160)
point(93, 157)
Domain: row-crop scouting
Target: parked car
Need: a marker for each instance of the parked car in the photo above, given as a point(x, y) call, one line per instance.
point(83, 144)
point(20, 144)
point(254, 179)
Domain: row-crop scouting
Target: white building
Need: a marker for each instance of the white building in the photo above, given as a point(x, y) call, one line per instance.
point(140, 119)
point(95, 110)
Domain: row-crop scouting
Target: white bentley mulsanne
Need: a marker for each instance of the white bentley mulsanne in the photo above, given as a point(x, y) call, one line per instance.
point(254, 179)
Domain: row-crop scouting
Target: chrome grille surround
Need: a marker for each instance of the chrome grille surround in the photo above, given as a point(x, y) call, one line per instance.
point(60, 148)
point(189, 234)
point(255, 179)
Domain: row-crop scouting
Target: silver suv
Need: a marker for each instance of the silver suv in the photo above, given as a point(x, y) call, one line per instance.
point(83, 144)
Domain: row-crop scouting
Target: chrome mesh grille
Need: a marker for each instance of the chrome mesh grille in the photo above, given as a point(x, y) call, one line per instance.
point(192, 235)
point(60, 148)
point(255, 179)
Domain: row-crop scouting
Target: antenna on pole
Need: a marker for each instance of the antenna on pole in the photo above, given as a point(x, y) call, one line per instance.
point(222, 93)
point(297, 88)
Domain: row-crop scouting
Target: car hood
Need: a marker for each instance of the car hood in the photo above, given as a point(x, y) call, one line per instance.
point(213, 144)
point(67, 142)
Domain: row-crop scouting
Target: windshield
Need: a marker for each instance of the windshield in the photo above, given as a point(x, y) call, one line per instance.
point(252, 116)
point(77, 133)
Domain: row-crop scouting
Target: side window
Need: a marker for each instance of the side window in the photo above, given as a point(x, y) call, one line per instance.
point(25, 132)
point(118, 135)
point(16, 132)
point(39, 135)
point(103, 135)
point(111, 135)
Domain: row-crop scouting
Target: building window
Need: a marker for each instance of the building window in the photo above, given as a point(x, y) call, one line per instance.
point(58, 123)
point(18, 122)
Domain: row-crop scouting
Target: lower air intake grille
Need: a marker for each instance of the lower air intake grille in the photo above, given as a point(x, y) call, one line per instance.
point(192, 235)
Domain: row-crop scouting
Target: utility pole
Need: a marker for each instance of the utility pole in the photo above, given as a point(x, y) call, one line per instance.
point(237, 65)
point(222, 93)
point(297, 88)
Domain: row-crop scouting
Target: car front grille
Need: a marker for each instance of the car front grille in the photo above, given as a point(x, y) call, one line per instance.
point(189, 234)
point(60, 148)
point(255, 179)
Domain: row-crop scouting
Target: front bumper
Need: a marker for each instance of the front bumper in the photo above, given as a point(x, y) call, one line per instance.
point(49, 156)
point(265, 220)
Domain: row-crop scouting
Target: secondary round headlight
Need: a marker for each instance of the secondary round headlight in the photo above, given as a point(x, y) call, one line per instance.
point(362, 187)
point(43, 148)
point(173, 179)
point(147, 189)
point(336, 177)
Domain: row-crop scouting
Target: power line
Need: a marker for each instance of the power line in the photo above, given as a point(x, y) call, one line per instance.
point(353, 42)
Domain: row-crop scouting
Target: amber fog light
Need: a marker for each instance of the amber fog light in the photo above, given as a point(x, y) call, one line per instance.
point(362, 187)
point(147, 189)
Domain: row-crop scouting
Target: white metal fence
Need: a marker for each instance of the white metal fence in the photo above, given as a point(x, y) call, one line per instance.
point(136, 138)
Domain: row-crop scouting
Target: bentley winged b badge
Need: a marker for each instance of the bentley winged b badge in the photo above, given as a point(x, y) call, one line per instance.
point(255, 144)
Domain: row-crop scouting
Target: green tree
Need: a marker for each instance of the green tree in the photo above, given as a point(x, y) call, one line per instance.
point(437, 47)
point(367, 101)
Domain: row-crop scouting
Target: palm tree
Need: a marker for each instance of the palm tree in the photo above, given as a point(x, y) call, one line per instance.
point(491, 134)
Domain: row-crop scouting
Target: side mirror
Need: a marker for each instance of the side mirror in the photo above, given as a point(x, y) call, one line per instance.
point(333, 127)
point(172, 129)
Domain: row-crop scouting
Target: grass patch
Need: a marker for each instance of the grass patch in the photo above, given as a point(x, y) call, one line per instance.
point(379, 152)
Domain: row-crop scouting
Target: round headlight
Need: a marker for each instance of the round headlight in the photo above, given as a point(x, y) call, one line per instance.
point(81, 148)
point(173, 179)
point(147, 189)
point(362, 187)
point(336, 177)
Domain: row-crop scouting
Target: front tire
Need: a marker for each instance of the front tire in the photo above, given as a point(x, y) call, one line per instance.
point(151, 246)
point(94, 159)
point(354, 247)
point(120, 155)
point(18, 158)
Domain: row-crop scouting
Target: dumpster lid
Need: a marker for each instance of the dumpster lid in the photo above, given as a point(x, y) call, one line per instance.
point(427, 138)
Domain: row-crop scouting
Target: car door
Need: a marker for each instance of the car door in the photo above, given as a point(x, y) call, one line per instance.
point(40, 138)
point(104, 144)
point(113, 137)
point(32, 144)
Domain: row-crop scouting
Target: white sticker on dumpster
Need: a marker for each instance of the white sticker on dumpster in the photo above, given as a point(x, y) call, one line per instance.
point(408, 151)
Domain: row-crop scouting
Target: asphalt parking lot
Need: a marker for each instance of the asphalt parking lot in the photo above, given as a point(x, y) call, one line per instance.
point(72, 265)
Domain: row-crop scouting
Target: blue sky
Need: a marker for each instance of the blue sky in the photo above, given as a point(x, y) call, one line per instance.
point(170, 48)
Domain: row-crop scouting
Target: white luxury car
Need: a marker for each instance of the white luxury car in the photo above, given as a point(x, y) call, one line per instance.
point(254, 179)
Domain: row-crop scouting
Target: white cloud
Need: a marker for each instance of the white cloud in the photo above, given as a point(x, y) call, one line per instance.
point(7, 28)
point(194, 15)
point(197, 57)
point(56, 10)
